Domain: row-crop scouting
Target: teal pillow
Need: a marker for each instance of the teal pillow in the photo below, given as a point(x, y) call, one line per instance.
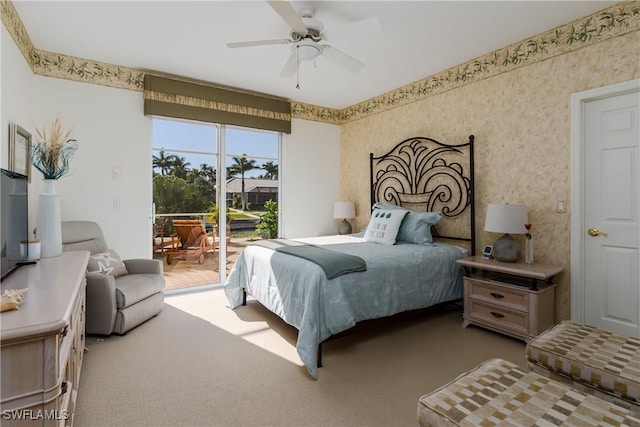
point(416, 226)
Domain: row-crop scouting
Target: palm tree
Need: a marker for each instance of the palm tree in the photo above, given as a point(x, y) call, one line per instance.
point(180, 167)
point(209, 172)
point(163, 162)
point(242, 165)
point(271, 170)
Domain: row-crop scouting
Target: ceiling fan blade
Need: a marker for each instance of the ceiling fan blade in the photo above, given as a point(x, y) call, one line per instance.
point(341, 58)
point(363, 27)
point(289, 14)
point(258, 43)
point(289, 69)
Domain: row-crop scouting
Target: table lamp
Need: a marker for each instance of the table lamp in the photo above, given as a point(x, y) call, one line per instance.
point(507, 219)
point(344, 210)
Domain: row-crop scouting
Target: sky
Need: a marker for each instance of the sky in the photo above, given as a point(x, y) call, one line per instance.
point(202, 138)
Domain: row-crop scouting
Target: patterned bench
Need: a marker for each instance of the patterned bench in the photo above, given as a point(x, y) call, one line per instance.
point(593, 360)
point(499, 393)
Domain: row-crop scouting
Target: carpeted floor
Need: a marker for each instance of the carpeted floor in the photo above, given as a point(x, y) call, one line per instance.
point(199, 363)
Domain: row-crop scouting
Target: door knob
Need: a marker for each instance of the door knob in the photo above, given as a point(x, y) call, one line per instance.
point(593, 232)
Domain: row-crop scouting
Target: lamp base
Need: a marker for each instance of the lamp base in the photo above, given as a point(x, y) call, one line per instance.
point(506, 249)
point(344, 227)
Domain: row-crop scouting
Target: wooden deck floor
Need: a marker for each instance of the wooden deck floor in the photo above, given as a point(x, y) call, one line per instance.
point(183, 274)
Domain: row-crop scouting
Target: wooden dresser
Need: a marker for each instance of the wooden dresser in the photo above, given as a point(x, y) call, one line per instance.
point(515, 299)
point(42, 343)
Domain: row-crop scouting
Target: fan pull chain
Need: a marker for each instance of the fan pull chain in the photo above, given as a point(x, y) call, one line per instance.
point(297, 67)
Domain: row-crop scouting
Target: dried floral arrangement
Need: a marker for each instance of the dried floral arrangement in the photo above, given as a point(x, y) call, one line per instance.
point(53, 150)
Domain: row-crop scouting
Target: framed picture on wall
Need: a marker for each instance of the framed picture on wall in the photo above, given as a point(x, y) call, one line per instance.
point(19, 150)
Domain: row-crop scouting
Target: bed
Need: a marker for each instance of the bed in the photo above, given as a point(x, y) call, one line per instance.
point(430, 185)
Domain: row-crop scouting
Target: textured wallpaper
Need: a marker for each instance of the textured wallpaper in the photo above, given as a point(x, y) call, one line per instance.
point(522, 124)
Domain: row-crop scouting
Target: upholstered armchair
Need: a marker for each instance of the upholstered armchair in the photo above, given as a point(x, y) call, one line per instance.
point(117, 300)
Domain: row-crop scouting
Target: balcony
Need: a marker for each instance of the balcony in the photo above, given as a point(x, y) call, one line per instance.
point(187, 272)
point(184, 274)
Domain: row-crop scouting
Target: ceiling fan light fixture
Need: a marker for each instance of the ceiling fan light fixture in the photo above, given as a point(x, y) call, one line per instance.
point(307, 52)
point(307, 34)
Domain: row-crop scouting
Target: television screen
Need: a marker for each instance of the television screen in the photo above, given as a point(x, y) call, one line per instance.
point(14, 211)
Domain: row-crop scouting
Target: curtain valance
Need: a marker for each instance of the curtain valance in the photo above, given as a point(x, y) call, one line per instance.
point(185, 100)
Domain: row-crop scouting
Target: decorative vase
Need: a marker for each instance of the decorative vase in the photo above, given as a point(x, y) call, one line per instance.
point(49, 226)
point(528, 250)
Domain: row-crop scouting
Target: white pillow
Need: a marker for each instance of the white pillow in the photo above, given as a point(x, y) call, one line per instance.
point(384, 225)
point(107, 263)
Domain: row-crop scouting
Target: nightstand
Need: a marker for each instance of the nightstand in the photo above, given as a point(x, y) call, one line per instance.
point(514, 298)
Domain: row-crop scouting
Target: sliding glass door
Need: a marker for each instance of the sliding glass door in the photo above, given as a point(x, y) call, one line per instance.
point(197, 168)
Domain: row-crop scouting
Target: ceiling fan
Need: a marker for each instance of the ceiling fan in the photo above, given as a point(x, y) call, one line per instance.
point(307, 33)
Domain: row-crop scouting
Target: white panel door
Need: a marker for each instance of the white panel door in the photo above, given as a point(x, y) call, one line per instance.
point(611, 216)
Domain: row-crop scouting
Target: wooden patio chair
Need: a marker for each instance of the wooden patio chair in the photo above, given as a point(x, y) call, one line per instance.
point(192, 240)
point(161, 241)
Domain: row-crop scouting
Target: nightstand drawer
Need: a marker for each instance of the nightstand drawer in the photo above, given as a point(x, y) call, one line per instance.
point(498, 294)
point(495, 298)
point(505, 319)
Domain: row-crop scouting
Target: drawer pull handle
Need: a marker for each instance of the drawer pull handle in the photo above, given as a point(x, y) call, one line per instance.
point(496, 295)
point(63, 387)
point(498, 315)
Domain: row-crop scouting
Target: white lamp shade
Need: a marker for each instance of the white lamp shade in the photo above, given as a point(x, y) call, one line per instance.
point(508, 219)
point(344, 210)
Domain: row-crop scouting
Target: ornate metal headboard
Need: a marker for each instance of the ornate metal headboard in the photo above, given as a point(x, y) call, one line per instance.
point(424, 175)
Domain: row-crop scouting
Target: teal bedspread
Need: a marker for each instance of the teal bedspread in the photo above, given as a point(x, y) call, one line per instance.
point(333, 263)
point(398, 278)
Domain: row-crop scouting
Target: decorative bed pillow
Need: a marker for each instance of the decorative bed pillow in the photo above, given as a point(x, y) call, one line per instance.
point(416, 226)
point(107, 263)
point(384, 225)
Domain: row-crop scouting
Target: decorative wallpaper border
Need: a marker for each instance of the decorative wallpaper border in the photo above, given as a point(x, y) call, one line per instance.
point(72, 68)
point(615, 21)
point(316, 113)
point(16, 28)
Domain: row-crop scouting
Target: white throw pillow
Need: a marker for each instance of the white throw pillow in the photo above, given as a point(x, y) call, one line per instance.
point(384, 225)
point(107, 263)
